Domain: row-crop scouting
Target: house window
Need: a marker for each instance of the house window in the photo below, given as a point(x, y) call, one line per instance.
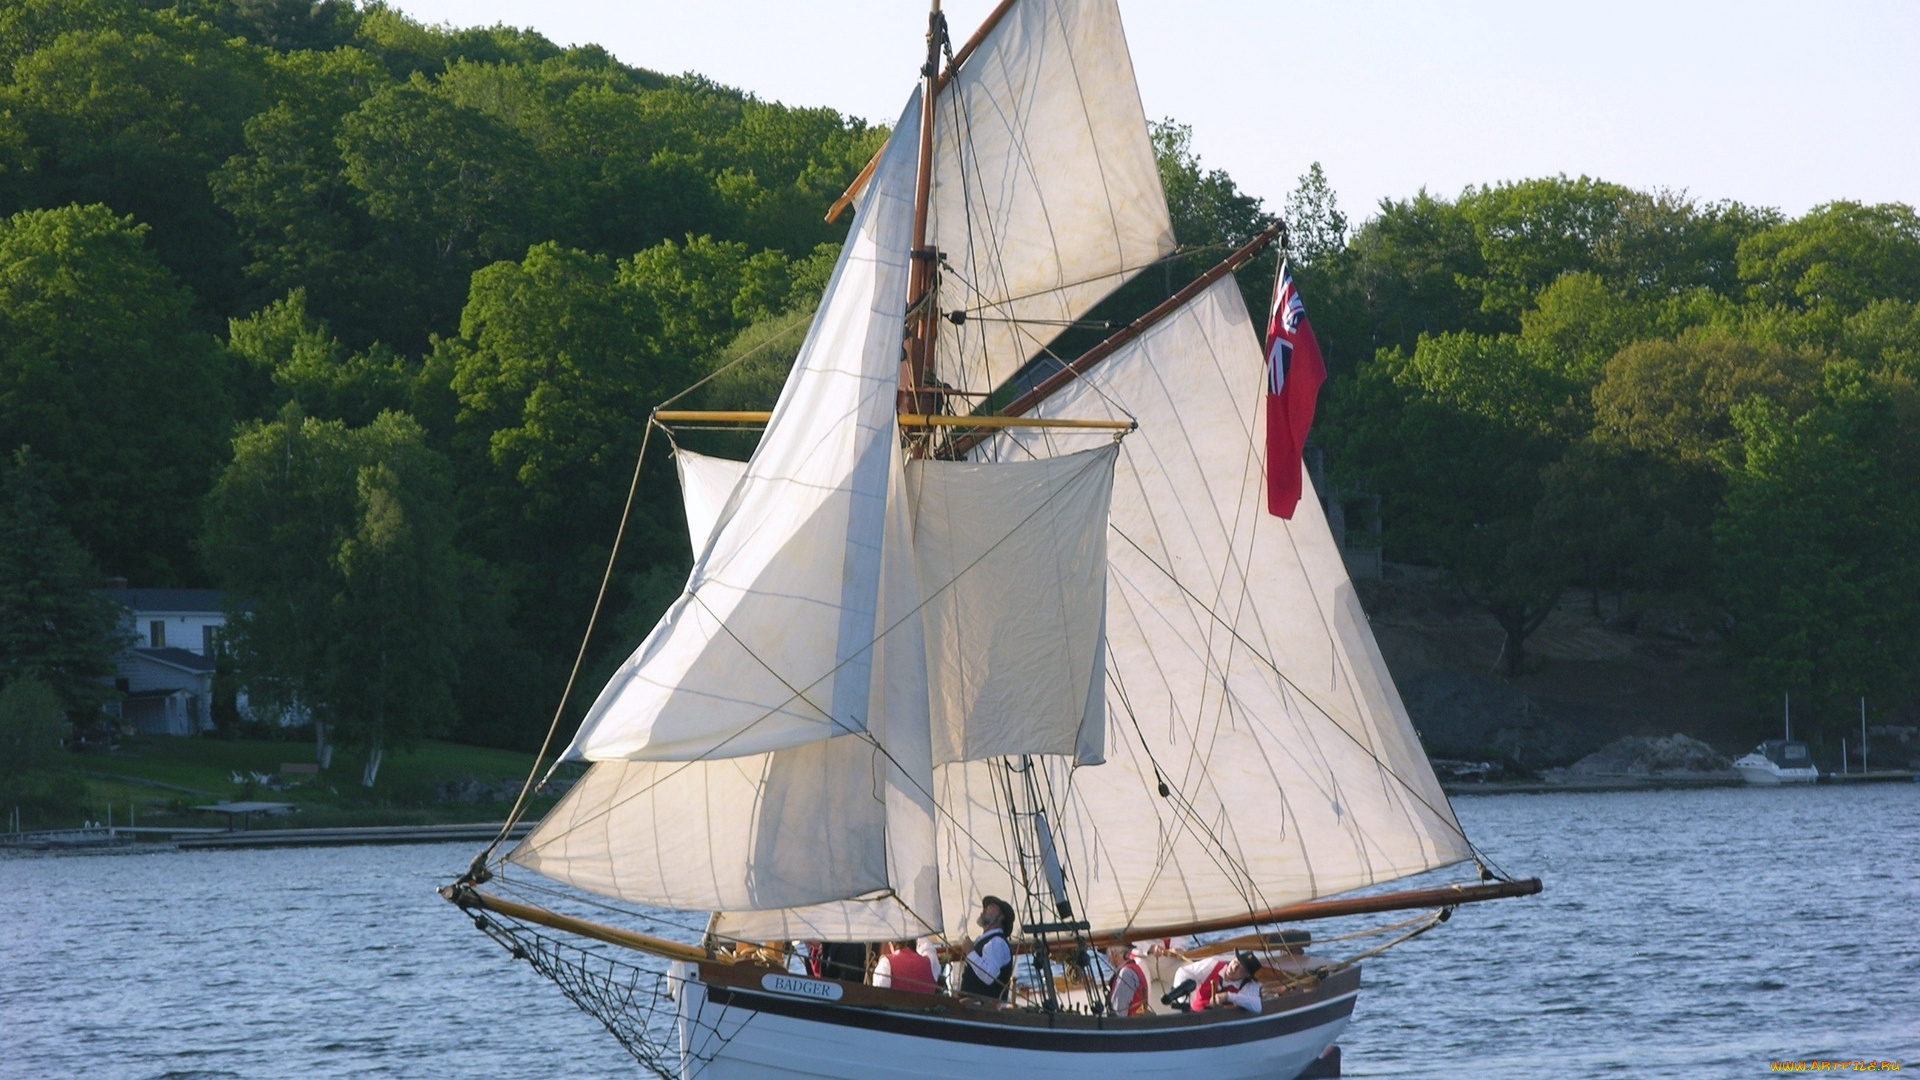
point(209, 639)
point(157, 634)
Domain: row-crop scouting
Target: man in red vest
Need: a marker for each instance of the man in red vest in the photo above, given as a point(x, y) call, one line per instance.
point(1217, 984)
point(903, 969)
point(1129, 992)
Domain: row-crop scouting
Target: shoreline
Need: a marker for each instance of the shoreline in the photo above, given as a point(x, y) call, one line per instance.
point(191, 839)
point(1652, 783)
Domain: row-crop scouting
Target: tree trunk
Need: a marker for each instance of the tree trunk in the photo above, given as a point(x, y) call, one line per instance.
point(322, 749)
point(373, 763)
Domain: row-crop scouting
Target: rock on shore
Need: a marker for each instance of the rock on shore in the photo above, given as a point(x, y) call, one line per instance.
point(1639, 755)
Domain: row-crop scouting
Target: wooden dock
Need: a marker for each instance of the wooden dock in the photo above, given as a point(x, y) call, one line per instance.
point(148, 837)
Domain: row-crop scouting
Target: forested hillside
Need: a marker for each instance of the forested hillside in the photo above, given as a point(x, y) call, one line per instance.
point(360, 320)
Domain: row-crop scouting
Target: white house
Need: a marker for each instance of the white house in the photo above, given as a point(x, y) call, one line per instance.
point(167, 674)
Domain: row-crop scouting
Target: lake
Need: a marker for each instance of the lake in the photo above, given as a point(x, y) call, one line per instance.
point(1682, 933)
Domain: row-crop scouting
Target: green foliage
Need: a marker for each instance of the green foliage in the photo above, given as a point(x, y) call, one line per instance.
point(134, 116)
point(1316, 229)
point(1466, 500)
point(54, 631)
point(1819, 544)
point(33, 724)
point(335, 546)
point(1678, 399)
point(103, 373)
point(1836, 260)
point(33, 773)
point(301, 361)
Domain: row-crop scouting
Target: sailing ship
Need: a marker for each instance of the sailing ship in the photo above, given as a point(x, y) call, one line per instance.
point(976, 620)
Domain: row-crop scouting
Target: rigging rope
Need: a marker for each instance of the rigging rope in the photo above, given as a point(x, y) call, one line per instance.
point(520, 803)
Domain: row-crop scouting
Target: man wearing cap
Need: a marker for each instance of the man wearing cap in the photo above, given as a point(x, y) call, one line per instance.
point(1128, 996)
point(988, 971)
point(1218, 984)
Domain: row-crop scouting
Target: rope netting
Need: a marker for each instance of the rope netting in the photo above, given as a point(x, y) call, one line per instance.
point(630, 993)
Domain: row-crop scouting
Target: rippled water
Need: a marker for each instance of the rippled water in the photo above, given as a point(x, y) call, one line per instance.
point(1685, 933)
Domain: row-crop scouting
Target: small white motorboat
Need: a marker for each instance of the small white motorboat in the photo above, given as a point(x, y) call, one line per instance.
point(1777, 761)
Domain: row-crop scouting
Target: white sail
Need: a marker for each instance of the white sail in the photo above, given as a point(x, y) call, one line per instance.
point(1046, 195)
point(705, 485)
point(769, 647)
point(775, 835)
point(1001, 610)
point(1240, 671)
point(900, 782)
point(1013, 559)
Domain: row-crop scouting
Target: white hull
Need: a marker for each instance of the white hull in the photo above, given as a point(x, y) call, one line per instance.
point(1756, 769)
point(730, 1033)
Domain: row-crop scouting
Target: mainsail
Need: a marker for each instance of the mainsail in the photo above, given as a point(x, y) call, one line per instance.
point(1240, 670)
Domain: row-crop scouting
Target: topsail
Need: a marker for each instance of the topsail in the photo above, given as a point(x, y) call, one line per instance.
point(1046, 196)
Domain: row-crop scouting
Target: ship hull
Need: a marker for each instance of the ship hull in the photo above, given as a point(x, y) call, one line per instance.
point(743, 1032)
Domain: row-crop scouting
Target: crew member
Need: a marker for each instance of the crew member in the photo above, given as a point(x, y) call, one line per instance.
point(1129, 993)
point(989, 968)
point(904, 969)
point(1217, 984)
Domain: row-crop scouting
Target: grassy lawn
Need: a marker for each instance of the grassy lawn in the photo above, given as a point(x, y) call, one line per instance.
point(418, 787)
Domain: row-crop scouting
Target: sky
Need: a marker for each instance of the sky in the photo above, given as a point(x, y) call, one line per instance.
point(1759, 101)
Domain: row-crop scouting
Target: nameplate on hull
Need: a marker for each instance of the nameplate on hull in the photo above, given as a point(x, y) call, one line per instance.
point(817, 989)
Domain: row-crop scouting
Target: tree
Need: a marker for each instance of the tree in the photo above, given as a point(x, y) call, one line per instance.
point(1459, 470)
point(294, 356)
point(32, 726)
point(1836, 259)
point(298, 219)
point(448, 190)
point(1677, 399)
point(336, 546)
point(53, 629)
point(134, 116)
point(1818, 547)
point(1315, 226)
point(103, 373)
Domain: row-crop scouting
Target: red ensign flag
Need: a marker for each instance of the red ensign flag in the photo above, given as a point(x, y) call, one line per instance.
point(1294, 374)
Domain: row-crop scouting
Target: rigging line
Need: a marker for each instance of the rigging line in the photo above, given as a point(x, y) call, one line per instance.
point(1275, 668)
point(1187, 817)
point(1179, 252)
point(520, 803)
point(1080, 377)
point(1352, 681)
point(798, 694)
point(742, 358)
point(933, 799)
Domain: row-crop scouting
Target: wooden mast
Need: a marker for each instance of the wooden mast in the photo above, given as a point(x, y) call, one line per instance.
point(946, 76)
point(923, 316)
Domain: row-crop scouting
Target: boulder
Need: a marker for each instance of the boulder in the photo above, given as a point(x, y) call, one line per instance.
point(1640, 755)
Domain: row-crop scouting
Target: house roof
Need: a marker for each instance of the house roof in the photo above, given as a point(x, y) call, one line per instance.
point(178, 658)
point(205, 601)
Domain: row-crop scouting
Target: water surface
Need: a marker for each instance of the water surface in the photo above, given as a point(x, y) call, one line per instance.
point(1683, 933)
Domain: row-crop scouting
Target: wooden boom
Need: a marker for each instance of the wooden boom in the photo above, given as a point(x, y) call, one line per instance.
point(1447, 896)
point(467, 897)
